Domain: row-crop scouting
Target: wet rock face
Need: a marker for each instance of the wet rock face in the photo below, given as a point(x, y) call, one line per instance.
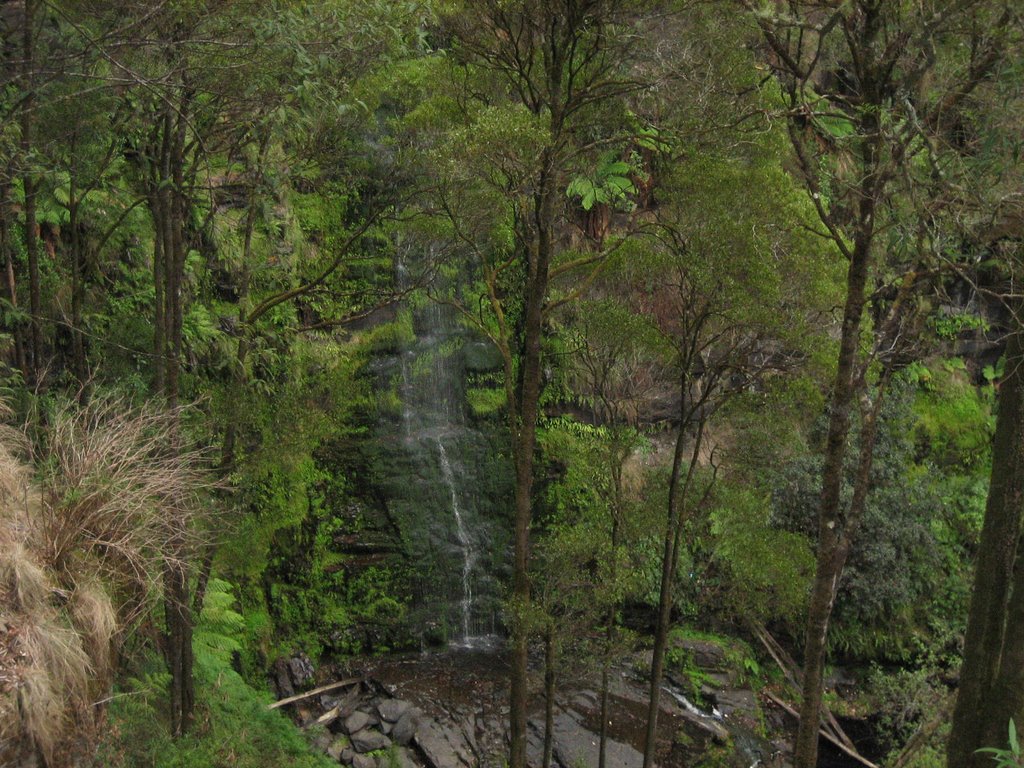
point(301, 669)
point(444, 477)
point(575, 744)
point(291, 674)
point(708, 656)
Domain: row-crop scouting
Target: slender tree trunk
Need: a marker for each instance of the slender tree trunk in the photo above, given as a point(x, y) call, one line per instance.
point(179, 648)
point(618, 459)
point(525, 438)
point(155, 208)
point(525, 445)
point(159, 179)
point(30, 187)
point(831, 561)
point(831, 557)
point(169, 205)
point(180, 606)
point(79, 365)
point(176, 259)
point(549, 695)
point(677, 491)
point(609, 640)
point(984, 701)
point(1007, 699)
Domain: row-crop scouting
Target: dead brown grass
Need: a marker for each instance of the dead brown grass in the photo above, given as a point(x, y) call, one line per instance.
point(89, 521)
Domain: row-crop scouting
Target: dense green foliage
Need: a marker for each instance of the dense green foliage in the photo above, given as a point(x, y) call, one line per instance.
point(310, 221)
point(236, 728)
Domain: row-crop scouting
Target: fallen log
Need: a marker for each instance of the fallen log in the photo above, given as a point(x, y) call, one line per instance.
point(315, 691)
point(824, 732)
point(328, 717)
point(794, 676)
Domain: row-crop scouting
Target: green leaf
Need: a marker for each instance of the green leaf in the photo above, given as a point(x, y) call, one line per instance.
point(618, 168)
point(620, 184)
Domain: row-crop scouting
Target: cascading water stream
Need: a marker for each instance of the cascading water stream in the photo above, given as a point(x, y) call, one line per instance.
point(443, 460)
point(468, 552)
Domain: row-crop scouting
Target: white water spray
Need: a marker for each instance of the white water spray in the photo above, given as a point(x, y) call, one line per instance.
point(465, 542)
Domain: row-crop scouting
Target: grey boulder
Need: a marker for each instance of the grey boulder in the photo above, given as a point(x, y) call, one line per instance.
point(367, 740)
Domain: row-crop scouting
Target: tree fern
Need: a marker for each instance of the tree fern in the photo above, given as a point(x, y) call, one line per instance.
point(215, 639)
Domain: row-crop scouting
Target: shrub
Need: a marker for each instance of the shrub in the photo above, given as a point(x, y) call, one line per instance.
point(89, 521)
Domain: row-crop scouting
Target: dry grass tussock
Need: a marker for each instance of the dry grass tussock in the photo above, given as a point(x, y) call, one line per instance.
point(89, 521)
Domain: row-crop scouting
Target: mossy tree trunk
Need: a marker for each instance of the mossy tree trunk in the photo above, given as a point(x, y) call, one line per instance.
point(990, 688)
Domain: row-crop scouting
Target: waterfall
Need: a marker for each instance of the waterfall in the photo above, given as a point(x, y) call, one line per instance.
point(468, 553)
point(442, 489)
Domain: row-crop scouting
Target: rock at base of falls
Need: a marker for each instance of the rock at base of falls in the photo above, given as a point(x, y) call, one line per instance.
point(391, 710)
point(368, 741)
point(356, 722)
point(442, 747)
point(406, 726)
point(337, 748)
point(575, 744)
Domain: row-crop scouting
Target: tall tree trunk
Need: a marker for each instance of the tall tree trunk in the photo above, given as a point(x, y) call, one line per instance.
point(609, 633)
point(1007, 700)
point(175, 277)
point(175, 251)
point(30, 187)
point(524, 428)
point(159, 266)
point(525, 446)
point(159, 180)
point(169, 204)
point(983, 703)
point(830, 559)
point(832, 527)
point(679, 486)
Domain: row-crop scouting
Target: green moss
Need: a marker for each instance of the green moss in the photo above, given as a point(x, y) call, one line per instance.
point(716, 756)
point(954, 417)
point(738, 656)
point(485, 402)
point(388, 337)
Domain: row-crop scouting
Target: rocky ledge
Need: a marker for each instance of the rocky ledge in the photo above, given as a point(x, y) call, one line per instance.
point(450, 710)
